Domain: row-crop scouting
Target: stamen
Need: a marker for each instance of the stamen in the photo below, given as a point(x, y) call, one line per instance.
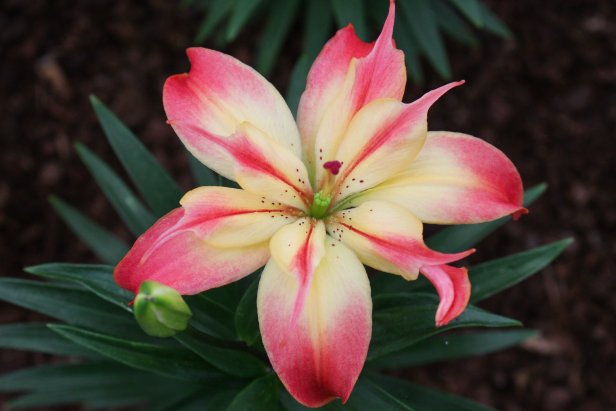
point(320, 204)
point(333, 166)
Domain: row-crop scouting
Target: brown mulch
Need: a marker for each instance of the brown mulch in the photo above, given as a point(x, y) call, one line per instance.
point(546, 98)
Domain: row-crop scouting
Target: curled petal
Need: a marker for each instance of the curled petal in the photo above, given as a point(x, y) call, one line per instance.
point(453, 288)
point(218, 95)
point(219, 235)
point(382, 140)
point(319, 355)
point(387, 237)
point(455, 179)
point(346, 75)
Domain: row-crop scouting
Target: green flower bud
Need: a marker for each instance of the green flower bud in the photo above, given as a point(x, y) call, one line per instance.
point(160, 310)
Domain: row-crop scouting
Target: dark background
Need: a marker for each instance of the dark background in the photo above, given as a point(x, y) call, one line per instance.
point(546, 98)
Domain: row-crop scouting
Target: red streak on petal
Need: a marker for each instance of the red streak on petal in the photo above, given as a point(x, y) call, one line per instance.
point(519, 213)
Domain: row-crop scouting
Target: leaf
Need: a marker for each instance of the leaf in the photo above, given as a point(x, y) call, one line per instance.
point(105, 245)
point(493, 24)
point(246, 321)
point(317, 27)
point(281, 17)
point(157, 187)
point(69, 304)
point(217, 11)
point(233, 362)
point(450, 22)
point(211, 317)
point(494, 276)
point(242, 11)
point(462, 237)
point(38, 338)
point(422, 22)
point(452, 346)
point(407, 43)
point(172, 362)
point(203, 400)
point(96, 278)
point(351, 11)
point(422, 398)
point(129, 207)
point(471, 9)
point(201, 173)
point(401, 320)
point(99, 384)
point(370, 396)
point(297, 84)
point(260, 395)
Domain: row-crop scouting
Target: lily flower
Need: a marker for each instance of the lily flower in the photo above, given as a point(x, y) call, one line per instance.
point(350, 184)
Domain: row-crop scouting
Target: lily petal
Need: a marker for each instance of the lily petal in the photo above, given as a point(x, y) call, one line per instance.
point(347, 74)
point(319, 355)
point(217, 96)
point(453, 288)
point(381, 140)
point(387, 237)
point(219, 236)
point(455, 179)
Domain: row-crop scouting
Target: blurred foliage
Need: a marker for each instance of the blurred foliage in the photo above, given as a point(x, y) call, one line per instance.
point(419, 29)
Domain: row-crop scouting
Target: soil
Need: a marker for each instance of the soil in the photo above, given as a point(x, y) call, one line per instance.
point(547, 98)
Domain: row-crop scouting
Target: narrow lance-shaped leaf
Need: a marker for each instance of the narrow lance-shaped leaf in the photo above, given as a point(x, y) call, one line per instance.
point(105, 245)
point(203, 176)
point(420, 18)
point(167, 361)
point(452, 346)
point(260, 395)
point(276, 29)
point(157, 187)
point(129, 207)
point(351, 11)
point(38, 338)
point(216, 12)
point(471, 9)
point(493, 276)
point(242, 11)
point(246, 321)
point(317, 29)
point(78, 306)
point(400, 320)
point(451, 23)
point(422, 398)
point(96, 278)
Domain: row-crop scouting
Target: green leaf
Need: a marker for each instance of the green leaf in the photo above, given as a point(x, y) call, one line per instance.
point(317, 27)
point(96, 278)
point(203, 175)
point(422, 398)
point(70, 304)
point(370, 396)
point(452, 346)
point(233, 362)
point(246, 321)
point(105, 245)
point(260, 395)
point(172, 362)
point(494, 276)
point(280, 19)
point(462, 237)
point(205, 399)
point(217, 11)
point(129, 207)
point(450, 22)
point(157, 187)
point(242, 11)
point(422, 22)
point(351, 11)
point(401, 320)
point(471, 9)
point(493, 24)
point(38, 338)
point(297, 84)
point(211, 316)
point(407, 42)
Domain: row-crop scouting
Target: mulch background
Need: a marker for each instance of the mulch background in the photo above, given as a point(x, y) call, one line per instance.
point(546, 98)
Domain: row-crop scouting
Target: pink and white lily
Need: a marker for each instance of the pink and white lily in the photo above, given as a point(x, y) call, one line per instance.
point(349, 185)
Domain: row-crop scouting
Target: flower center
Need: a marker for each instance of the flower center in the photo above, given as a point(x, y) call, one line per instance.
point(322, 199)
point(320, 204)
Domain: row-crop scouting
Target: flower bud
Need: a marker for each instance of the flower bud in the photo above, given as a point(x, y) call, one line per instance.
point(160, 310)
